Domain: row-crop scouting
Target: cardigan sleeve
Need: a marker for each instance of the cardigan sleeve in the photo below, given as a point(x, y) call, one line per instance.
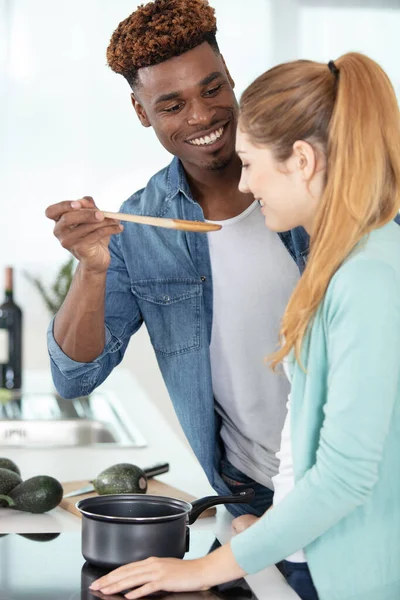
point(362, 319)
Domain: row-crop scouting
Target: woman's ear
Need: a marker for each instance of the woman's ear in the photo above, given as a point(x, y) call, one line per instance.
point(305, 159)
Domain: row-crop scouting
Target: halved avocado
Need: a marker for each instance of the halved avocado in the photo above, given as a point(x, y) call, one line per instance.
point(122, 478)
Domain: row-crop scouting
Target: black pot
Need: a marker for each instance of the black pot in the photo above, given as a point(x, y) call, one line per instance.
point(121, 528)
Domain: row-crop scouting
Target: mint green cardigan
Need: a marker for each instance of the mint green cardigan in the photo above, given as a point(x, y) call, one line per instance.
point(345, 507)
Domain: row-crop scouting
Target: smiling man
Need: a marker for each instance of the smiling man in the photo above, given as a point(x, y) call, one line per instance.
point(211, 303)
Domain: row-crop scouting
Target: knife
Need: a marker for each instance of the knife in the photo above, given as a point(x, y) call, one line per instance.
point(150, 472)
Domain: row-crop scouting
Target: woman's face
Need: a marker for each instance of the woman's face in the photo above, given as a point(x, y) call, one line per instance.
point(288, 192)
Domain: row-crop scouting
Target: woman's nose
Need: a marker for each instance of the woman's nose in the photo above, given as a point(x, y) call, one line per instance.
point(243, 187)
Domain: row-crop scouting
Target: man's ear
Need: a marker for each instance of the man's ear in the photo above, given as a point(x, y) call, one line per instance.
point(227, 72)
point(141, 113)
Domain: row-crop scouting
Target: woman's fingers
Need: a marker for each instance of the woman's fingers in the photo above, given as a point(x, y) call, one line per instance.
point(121, 574)
point(133, 584)
point(243, 522)
point(145, 590)
point(103, 596)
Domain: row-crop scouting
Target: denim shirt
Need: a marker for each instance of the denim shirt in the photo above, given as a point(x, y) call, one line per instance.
point(162, 277)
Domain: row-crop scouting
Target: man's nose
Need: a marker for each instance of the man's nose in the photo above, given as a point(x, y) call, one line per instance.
point(200, 113)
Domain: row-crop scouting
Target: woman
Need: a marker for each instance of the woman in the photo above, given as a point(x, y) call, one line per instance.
point(320, 146)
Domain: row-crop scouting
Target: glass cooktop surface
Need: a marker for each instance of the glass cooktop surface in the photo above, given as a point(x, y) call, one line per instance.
point(51, 567)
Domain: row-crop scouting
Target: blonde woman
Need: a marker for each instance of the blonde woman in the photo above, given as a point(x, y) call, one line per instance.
point(320, 147)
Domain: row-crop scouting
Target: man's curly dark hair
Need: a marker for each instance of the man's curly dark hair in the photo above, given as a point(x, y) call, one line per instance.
point(158, 31)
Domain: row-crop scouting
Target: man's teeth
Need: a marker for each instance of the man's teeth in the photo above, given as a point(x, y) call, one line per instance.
point(208, 139)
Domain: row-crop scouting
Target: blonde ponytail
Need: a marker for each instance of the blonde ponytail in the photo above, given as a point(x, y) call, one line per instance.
point(354, 115)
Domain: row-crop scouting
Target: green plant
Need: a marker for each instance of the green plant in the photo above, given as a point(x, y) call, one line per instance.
point(55, 295)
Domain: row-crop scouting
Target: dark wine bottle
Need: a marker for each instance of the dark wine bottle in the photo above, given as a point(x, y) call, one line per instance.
point(10, 338)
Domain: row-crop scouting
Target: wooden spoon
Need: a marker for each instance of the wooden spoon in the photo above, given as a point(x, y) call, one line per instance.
point(181, 224)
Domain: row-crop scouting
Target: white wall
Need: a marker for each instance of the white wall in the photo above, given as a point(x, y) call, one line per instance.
point(328, 32)
point(67, 127)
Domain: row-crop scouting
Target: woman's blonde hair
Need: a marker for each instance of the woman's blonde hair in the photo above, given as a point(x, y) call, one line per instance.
point(351, 111)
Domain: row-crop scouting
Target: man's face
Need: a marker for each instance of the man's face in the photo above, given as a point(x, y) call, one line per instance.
point(189, 102)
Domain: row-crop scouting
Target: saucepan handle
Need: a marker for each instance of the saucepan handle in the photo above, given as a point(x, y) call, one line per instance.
point(198, 506)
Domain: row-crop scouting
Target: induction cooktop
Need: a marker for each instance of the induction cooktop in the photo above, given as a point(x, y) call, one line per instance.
point(50, 566)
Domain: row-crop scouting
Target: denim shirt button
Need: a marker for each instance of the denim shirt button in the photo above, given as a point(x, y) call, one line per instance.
point(166, 298)
point(203, 278)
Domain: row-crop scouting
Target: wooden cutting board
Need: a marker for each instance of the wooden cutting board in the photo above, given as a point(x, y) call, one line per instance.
point(155, 487)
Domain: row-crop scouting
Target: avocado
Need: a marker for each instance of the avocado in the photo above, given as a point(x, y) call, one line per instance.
point(6, 463)
point(36, 495)
point(8, 480)
point(122, 478)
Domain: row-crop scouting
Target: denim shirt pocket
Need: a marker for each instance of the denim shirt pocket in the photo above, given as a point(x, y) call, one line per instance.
point(171, 312)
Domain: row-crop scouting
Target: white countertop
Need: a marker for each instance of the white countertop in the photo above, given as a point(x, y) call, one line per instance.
point(73, 464)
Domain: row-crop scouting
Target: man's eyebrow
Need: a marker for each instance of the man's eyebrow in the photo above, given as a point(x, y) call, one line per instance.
point(210, 78)
point(174, 95)
point(166, 97)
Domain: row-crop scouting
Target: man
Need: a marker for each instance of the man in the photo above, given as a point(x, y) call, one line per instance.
point(212, 303)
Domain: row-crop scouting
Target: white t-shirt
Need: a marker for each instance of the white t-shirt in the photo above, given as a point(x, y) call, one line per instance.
point(253, 278)
point(284, 480)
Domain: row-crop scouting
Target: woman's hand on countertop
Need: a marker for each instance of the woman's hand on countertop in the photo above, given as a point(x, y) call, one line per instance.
point(171, 575)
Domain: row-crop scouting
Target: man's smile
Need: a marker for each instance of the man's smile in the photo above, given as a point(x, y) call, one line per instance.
point(207, 140)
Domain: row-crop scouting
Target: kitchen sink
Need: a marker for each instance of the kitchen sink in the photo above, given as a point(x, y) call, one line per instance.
point(56, 433)
point(47, 420)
